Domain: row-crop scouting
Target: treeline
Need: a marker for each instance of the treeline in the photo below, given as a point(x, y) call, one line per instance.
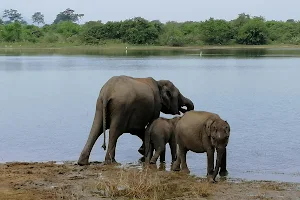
point(65, 29)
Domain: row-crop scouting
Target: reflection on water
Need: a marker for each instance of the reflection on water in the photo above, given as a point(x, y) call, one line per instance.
point(233, 52)
point(48, 104)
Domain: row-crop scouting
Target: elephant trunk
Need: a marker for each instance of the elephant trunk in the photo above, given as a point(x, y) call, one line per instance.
point(186, 102)
point(220, 152)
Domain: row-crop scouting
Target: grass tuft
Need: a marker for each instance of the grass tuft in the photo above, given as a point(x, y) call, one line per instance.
point(151, 184)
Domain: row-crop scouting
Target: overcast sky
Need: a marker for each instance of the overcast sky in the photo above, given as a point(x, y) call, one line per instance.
point(163, 10)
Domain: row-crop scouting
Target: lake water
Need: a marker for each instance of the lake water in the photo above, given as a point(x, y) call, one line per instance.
point(48, 98)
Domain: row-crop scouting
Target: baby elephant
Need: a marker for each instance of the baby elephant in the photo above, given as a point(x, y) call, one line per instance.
point(200, 132)
point(157, 135)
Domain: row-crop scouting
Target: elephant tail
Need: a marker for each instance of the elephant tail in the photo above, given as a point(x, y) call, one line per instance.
point(104, 102)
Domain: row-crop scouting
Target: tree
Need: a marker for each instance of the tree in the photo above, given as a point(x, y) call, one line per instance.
point(38, 18)
point(238, 23)
point(216, 31)
point(12, 16)
point(12, 32)
point(172, 35)
point(254, 32)
point(67, 15)
point(138, 31)
point(1, 21)
point(68, 28)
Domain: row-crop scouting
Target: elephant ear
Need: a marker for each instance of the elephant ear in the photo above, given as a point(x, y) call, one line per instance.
point(208, 126)
point(228, 126)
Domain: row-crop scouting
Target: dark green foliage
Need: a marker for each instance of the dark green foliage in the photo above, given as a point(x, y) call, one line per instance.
point(67, 28)
point(94, 34)
point(12, 32)
point(237, 23)
point(139, 31)
point(172, 35)
point(133, 31)
point(216, 31)
point(31, 33)
point(253, 32)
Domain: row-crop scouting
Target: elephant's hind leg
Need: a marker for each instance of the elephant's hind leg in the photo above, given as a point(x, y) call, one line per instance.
point(182, 155)
point(95, 132)
point(158, 152)
point(162, 156)
point(114, 134)
point(176, 165)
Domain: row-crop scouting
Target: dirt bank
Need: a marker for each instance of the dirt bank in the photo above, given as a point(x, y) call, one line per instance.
point(69, 181)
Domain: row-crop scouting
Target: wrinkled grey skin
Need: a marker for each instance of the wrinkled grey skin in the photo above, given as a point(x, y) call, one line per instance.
point(200, 132)
point(157, 135)
point(126, 105)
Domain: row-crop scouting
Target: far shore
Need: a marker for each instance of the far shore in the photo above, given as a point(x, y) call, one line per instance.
point(66, 180)
point(38, 46)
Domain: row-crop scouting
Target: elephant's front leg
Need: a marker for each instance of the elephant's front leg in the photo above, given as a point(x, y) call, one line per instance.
point(223, 170)
point(210, 161)
point(114, 134)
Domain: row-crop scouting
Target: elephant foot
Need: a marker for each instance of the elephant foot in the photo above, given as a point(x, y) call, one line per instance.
point(162, 166)
point(142, 159)
point(82, 162)
point(152, 162)
point(185, 171)
point(141, 150)
point(210, 179)
point(223, 173)
point(111, 162)
point(175, 167)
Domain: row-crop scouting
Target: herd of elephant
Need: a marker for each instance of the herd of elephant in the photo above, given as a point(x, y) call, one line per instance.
point(133, 105)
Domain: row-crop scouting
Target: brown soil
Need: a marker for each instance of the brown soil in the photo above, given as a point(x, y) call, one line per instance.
point(50, 180)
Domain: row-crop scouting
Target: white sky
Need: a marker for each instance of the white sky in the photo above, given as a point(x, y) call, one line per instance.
point(163, 10)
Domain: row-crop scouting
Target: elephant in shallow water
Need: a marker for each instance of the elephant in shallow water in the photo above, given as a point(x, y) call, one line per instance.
point(200, 132)
point(157, 135)
point(126, 105)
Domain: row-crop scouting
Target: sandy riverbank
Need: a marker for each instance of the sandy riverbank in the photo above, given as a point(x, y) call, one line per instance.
point(69, 181)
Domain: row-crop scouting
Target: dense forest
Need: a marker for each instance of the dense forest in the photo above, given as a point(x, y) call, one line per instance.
point(245, 29)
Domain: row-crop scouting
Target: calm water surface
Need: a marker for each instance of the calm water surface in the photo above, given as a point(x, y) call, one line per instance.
point(47, 105)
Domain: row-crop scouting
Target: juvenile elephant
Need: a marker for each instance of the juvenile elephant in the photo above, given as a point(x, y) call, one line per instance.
point(126, 105)
point(200, 132)
point(157, 135)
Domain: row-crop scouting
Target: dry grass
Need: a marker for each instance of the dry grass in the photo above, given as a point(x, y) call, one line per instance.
point(152, 184)
point(48, 181)
point(272, 186)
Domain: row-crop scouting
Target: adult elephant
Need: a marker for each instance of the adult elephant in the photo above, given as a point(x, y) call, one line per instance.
point(126, 105)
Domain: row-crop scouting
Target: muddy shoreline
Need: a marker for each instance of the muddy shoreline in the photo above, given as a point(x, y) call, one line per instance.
point(56, 180)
